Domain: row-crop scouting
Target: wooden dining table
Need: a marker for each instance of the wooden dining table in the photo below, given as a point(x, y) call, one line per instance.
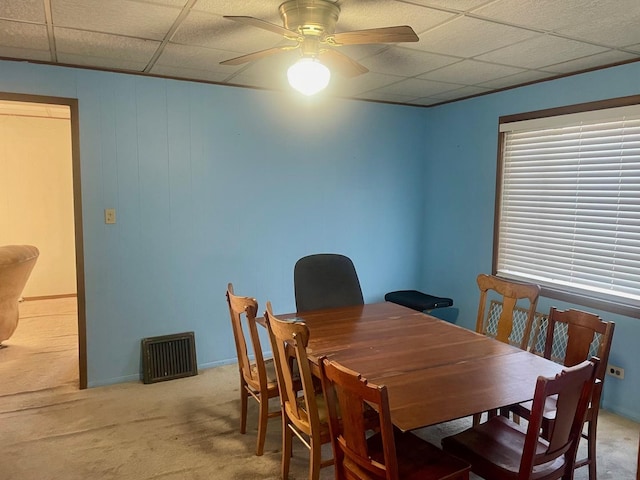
point(434, 371)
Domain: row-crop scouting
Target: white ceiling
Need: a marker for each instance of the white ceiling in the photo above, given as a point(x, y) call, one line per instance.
point(466, 47)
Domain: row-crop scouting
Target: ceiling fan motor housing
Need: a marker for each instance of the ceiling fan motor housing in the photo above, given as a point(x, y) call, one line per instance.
point(311, 17)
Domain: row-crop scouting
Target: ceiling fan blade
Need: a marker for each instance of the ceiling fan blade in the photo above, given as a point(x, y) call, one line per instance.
point(271, 27)
point(342, 64)
point(250, 57)
point(397, 34)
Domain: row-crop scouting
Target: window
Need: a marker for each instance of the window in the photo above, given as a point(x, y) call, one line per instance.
point(568, 203)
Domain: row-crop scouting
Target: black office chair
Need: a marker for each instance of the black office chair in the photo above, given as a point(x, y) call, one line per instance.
point(326, 280)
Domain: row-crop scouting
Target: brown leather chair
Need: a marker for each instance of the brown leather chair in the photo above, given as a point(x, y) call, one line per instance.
point(305, 415)
point(257, 378)
point(16, 264)
point(572, 337)
point(370, 448)
point(500, 450)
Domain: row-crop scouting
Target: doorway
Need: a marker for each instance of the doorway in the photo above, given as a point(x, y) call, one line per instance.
point(67, 246)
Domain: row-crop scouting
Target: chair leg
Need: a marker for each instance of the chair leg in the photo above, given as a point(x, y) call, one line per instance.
point(476, 419)
point(244, 396)
point(506, 412)
point(591, 447)
point(315, 459)
point(287, 437)
point(263, 418)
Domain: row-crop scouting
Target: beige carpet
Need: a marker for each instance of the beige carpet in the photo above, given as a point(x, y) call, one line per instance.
point(43, 351)
point(181, 429)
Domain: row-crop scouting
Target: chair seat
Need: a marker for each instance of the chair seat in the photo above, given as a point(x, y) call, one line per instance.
point(417, 300)
point(270, 367)
point(419, 459)
point(495, 449)
point(323, 413)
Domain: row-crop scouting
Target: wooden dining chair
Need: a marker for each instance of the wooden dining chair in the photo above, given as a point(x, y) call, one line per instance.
point(304, 413)
point(499, 323)
point(326, 280)
point(500, 450)
point(502, 327)
point(257, 378)
point(572, 337)
point(369, 449)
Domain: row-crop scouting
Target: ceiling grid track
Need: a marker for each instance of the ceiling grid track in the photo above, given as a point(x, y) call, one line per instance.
point(50, 35)
point(183, 14)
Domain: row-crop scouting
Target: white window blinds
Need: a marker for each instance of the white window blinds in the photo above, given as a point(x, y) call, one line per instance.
point(569, 209)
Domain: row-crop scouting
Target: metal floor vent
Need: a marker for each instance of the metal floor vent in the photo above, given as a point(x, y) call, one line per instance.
point(168, 357)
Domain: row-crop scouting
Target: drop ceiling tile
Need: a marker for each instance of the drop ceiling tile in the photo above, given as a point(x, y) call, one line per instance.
point(425, 101)
point(463, 92)
point(517, 79)
point(634, 48)
point(251, 79)
point(171, 3)
point(592, 61)
point(467, 37)
point(379, 96)
point(416, 88)
point(23, 35)
point(609, 22)
point(470, 72)
point(363, 14)
point(541, 51)
point(458, 5)
point(103, 45)
point(120, 17)
point(409, 62)
point(108, 63)
point(273, 66)
point(213, 31)
point(270, 72)
point(263, 9)
point(196, 58)
point(25, 53)
point(353, 86)
point(546, 15)
point(24, 10)
point(615, 28)
point(189, 73)
point(359, 52)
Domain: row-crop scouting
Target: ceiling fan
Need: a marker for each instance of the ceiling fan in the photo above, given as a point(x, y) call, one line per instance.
point(310, 24)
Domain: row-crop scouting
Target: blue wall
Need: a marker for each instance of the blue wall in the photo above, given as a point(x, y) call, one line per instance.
point(217, 184)
point(462, 143)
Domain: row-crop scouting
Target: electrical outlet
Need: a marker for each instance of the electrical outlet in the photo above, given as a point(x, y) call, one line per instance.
point(109, 215)
point(614, 371)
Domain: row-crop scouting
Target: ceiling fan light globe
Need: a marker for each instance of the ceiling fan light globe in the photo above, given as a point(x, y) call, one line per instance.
point(308, 76)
